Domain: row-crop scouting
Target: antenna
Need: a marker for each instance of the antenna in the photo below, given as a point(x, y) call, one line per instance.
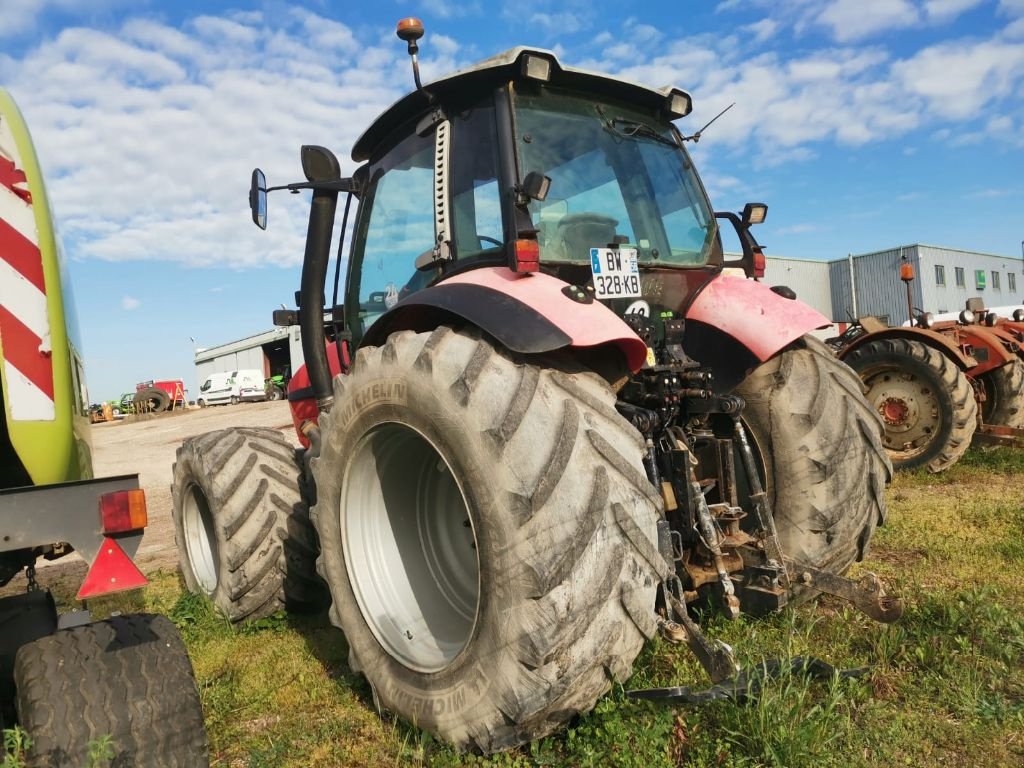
point(410, 30)
point(696, 136)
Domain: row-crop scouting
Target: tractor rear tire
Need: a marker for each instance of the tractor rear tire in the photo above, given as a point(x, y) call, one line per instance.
point(1004, 390)
point(151, 400)
point(127, 678)
point(488, 535)
point(242, 526)
point(821, 444)
point(919, 392)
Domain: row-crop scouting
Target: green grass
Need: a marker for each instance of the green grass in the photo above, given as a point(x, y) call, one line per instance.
point(946, 685)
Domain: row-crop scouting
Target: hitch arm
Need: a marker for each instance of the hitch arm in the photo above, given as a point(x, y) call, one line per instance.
point(867, 594)
point(715, 656)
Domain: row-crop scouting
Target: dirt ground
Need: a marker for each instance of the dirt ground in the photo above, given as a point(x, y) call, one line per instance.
point(148, 449)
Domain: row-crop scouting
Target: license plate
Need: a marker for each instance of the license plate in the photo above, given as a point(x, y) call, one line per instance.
point(616, 274)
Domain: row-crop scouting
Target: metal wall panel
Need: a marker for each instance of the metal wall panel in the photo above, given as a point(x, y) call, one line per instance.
point(880, 291)
point(809, 279)
point(951, 297)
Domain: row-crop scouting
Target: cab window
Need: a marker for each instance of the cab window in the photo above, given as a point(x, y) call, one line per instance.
point(398, 228)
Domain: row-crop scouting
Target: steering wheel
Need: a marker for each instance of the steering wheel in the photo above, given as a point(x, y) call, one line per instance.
point(485, 238)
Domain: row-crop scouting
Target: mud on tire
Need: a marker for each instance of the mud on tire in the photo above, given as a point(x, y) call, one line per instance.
point(509, 504)
point(1004, 390)
point(128, 678)
point(946, 398)
point(242, 526)
point(826, 467)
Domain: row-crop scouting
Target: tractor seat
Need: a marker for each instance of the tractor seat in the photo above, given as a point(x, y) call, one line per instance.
point(577, 233)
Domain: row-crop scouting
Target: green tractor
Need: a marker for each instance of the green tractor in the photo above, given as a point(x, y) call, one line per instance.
point(65, 680)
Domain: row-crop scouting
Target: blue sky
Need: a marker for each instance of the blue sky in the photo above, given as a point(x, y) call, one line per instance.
point(862, 123)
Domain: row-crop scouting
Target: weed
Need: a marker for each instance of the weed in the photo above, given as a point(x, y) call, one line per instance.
point(100, 751)
point(17, 743)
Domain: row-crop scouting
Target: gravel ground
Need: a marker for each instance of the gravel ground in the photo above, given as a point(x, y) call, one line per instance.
point(147, 448)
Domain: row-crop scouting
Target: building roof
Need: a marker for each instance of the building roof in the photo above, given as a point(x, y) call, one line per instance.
point(249, 342)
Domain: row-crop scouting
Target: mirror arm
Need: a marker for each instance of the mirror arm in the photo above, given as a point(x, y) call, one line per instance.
point(340, 185)
point(747, 241)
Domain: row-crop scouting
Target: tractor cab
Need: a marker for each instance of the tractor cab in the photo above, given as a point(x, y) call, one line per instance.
point(533, 166)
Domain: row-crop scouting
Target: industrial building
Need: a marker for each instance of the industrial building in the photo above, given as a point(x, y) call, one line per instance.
point(273, 352)
point(945, 279)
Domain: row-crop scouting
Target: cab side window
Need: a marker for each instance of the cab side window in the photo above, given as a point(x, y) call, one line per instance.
point(400, 227)
point(476, 202)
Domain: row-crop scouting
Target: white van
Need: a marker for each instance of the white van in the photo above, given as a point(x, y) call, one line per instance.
point(233, 387)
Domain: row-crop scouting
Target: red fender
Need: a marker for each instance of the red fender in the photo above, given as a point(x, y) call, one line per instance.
point(753, 314)
point(586, 325)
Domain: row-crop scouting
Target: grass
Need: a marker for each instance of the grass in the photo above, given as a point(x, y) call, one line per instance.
point(946, 685)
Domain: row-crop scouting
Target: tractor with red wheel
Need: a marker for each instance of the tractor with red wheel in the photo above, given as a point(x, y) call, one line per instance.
point(539, 425)
point(939, 385)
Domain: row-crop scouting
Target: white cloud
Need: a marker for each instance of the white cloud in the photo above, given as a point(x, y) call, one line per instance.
point(945, 10)
point(761, 30)
point(958, 78)
point(147, 134)
point(130, 302)
point(1012, 7)
point(799, 229)
point(855, 19)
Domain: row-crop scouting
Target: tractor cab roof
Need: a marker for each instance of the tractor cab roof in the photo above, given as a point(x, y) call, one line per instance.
point(514, 64)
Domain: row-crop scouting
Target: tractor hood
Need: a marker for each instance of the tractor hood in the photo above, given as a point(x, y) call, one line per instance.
point(514, 64)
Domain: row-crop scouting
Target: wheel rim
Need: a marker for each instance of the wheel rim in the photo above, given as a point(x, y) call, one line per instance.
point(410, 547)
point(200, 540)
point(909, 408)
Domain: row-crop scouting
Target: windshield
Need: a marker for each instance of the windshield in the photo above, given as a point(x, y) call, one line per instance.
point(617, 176)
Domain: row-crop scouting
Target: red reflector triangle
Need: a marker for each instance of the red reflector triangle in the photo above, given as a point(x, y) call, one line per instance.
point(111, 571)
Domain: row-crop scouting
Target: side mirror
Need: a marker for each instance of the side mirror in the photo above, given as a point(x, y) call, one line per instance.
point(536, 185)
point(754, 213)
point(258, 198)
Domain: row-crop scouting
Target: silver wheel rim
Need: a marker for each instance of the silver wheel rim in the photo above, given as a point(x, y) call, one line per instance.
point(410, 547)
point(200, 540)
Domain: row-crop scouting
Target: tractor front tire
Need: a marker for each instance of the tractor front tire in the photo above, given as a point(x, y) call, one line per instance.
point(151, 400)
point(488, 535)
point(242, 525)
point(1004, 395)
point(821, 445)
point(128, 679)
point(926, 402)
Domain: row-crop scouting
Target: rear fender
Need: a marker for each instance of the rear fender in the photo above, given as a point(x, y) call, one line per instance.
point(527, 313)
point(938, 341)
point(754, 315)
point(992, 348)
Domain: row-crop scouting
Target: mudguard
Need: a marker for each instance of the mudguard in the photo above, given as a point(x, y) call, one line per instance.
point(527, 313)
point(939, 341)
point(754, 315)
point(993, 347)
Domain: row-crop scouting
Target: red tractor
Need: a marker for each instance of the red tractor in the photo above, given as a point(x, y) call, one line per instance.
point(939, 384)
point(544, 424)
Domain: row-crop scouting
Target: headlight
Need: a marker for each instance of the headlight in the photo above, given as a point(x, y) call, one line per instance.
point(991, 319)
point(1018, 315)
point(967, 317)
point(925, 320)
